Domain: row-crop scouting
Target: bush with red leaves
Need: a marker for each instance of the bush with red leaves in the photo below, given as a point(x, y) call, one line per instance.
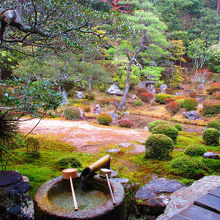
point(146, 96)
point(168, 100)
point(214, 87)
point(125, 123)
point(216, 96)
point(173, 107)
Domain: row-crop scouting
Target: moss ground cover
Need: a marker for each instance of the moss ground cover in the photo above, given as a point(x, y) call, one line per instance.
point(135, 167)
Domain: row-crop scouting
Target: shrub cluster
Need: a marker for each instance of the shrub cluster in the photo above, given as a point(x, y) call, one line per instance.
point(153, 124)
point(214, 124)
point(146, 97)
point(190, 104)
point(178, 97)
point(160, 98)
point(216, 96)
point(193, 94)
point(141, 90)
point(168, 130)
point(107, 101)
point(125, 123)
point(33, 144)
point(169, 91)
point(158, 146)
point(181, 101)
point(211, 107)
point(195, 151)
point(104, 119)
point(168, 100)
point(215, 87)
point(68, 162)
point(173, 107)
point(72, 112)
point(211, 136)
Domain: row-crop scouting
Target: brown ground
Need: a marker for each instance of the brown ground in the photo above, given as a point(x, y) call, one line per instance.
point(86, 136)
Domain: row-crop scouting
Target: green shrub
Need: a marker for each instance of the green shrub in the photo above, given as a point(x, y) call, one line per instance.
point(211, 136)
point(187, 167)
point(181, 101)
point(160, 98)
point(212, 164)
point(168, 130)
point(137, 103)
point(214, 124)
point(71, 93)
point(211, 107)
point(104, 119)
point(195, 151)
point(158, 146)
point(72, 112)
point(68, 162)
point(190, 104)
point(178, 127)
point(153, 124)
point(33, 145)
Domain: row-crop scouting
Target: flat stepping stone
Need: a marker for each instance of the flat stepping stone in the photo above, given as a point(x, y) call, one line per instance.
point(138, 149)
point(215, 192)
point(195, 212)
point(113, 150)
point(120, 180)
point(125, 145)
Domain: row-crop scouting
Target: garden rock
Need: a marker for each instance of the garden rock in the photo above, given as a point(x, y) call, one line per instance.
point(113, 150)
point(185, 197)
point(114, 90)
point(115, 116)
point(82, 115)
point(153, 197)
point(211, 155)
point(97, 109)
point(132, 96)
point(163, 88)
point(125, 145)
point(151, 89)
point(79, 95)
point(15, 202)
point(192, 115)
point(120, 180)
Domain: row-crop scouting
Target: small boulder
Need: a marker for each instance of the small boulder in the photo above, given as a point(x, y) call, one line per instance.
point(163, 88)
point(113, 150)
point(114, 90)
point(153, 197)
point(115, 116)
point(97, 109)
point(79, 95)
point(211, 155)
point(125, 145)
point(192, 115)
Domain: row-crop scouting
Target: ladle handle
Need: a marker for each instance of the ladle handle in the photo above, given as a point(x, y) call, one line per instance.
point(110, 189)
point(73, 195)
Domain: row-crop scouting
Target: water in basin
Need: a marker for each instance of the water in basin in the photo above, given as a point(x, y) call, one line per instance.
point(88, 199)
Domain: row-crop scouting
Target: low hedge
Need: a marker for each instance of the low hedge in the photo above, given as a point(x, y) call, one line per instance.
point(211, 107)
point(160, 98)
point(173, 107)
point(190, 104)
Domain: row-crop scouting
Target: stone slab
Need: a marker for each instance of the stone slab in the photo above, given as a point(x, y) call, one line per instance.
point(195, 212)
point(209, 202)
point(216, 193)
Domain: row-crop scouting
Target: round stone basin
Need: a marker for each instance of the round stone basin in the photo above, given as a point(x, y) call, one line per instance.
point(53, 200)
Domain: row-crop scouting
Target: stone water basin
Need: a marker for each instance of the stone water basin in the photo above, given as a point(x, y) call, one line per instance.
point(53, 200)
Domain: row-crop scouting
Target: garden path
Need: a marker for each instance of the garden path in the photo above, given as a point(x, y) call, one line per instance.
point(86, 136)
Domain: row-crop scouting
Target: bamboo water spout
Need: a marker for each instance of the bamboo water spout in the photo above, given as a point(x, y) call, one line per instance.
point(89, 171)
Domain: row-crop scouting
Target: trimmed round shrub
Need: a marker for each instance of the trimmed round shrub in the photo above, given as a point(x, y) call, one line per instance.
point(137, 103)
point(214, 124)
point(125, 123)
point(215, 87)
point(146, 96)
point(160, 98)
point(190, 104)
point(212, 164)
point(211, 107)
point(86, 108)
point(168, 130)
point(211, 136)
point(195, 151)
point(153, 124)
point(72, 112)
point(216, 96)
point(178, 127)
point(68, 162)
point(104, 119)
point(187, 167)
point(173, 107)
point(158, 146)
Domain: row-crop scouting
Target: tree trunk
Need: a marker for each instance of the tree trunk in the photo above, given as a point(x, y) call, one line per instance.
point(127, 87)
point(90, 85)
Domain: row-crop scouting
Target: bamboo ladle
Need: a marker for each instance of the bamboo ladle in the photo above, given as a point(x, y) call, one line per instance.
point(106, 173)
point(71, 173)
